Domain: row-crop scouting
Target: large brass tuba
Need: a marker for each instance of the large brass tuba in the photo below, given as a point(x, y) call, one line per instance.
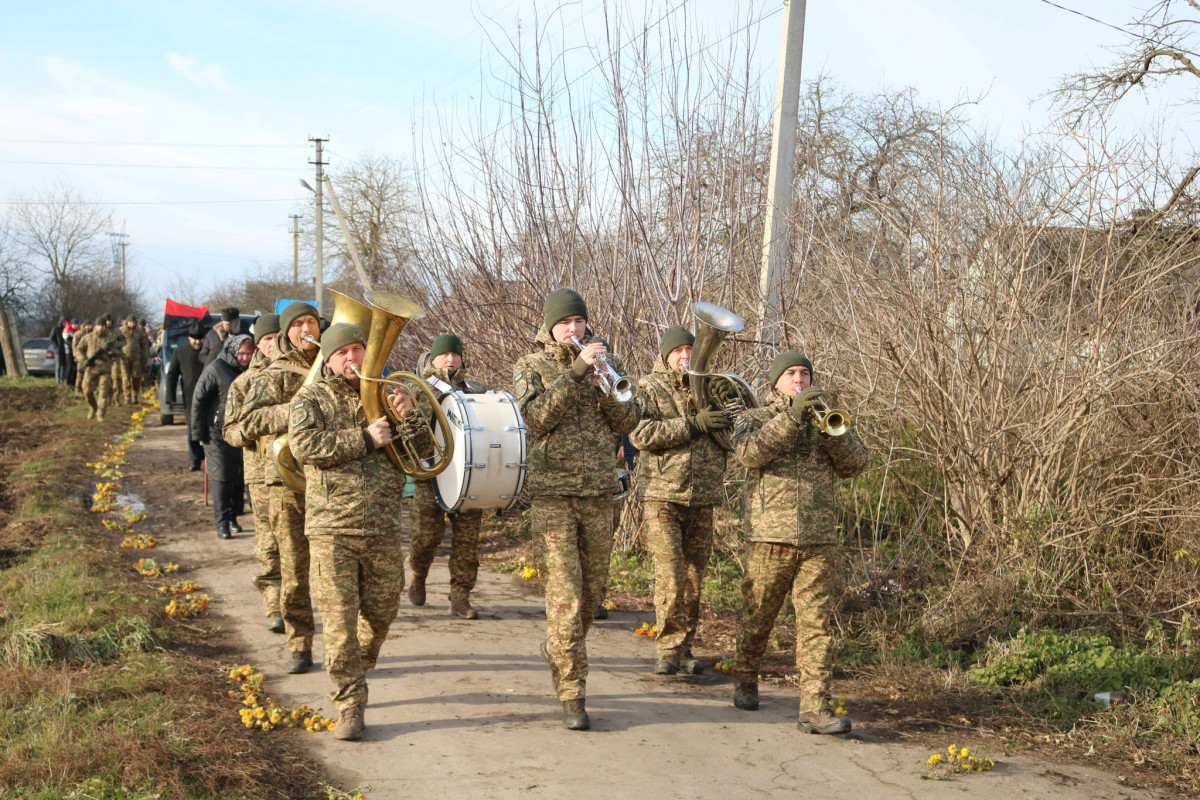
point(381, 321)
point(713, 325)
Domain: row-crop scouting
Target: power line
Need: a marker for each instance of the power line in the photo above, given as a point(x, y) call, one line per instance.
point(145, 202)
point(98, 143)
point(145, 166)
point(1119, 29)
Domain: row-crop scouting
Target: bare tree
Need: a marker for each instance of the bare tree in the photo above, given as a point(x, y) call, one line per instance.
point(16, 277)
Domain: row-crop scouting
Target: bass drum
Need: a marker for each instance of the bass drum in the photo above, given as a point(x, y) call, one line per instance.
point(488, 468)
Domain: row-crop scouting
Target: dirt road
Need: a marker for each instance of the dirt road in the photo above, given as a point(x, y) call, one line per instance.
point(464, 709)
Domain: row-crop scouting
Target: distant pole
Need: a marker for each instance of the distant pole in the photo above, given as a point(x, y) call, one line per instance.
point(320, 277)
point(295, 253)
point(779, 182)
point(119, 240)
point(123, 245)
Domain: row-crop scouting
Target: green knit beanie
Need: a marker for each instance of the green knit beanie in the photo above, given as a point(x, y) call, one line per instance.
point(101, 321)
point(445, 343)
point(338, 335)
point(789, 358)
point(265, 324)
point(295, 311)
point(675, 336)
point(563, 303)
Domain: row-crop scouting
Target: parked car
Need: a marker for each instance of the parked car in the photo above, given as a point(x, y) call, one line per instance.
point(40, 357)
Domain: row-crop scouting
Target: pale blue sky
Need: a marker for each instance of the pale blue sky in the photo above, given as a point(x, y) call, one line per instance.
point(275, 73)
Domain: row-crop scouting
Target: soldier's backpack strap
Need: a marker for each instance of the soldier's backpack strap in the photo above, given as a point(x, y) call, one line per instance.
point(295, 368)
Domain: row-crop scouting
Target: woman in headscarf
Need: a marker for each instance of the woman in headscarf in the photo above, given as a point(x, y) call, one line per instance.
point(208, 417)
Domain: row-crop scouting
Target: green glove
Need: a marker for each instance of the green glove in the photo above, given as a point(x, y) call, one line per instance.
point(722, 390)
point(803, 404)
point(709, 421)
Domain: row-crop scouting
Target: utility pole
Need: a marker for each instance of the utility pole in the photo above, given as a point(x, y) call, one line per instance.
point(120, 240)
point(320, 277)
point(779, 182)
point(295, 253)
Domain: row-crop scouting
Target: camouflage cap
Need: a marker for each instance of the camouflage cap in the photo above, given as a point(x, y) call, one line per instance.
point(786, 359)
point(338, 336)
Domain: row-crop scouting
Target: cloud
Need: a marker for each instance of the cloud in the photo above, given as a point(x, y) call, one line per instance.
point(206, 77)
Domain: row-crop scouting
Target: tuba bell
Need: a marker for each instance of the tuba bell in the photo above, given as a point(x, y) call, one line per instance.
point(713, 325)
point(381, 321)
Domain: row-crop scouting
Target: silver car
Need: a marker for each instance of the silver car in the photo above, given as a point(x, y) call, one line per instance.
point(40, 357)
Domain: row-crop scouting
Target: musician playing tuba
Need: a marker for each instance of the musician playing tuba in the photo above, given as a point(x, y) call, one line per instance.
point(571, 426)
point(791, 533)
point(352, 515)
point(445, 372)
point(682, 472)
point(265, 412)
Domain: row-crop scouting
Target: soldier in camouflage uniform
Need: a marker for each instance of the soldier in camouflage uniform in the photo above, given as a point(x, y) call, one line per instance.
point(130, 354)
point(266, 548)
point(77, 346)
point(682, 472)
point(791, 534)
point(265, 413)
point(142, 362)
point(352, 516)
point(570, 428)
point(445, 364)
point(97, 354)
point(117, 362)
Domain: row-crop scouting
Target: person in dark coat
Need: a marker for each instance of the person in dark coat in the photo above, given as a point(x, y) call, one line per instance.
point(208, 418)
point(60, 350)
point(186, 364)
point(229, 325)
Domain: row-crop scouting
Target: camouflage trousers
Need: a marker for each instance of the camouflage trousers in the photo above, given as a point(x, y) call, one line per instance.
point(137, 374)
point(114, 376)
point(287, 523)
point(266, 549)
point(578, 537)
point(680, 538)
point(96, 387)
point(124, 374)
point(356, 581)
point(771, 571)
point(428, 527)
point(79, 373)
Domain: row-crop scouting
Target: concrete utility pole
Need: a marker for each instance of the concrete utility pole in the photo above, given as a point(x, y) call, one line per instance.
point(295, 252)
point(120, 240)
point(320, 277)
point(779, 182)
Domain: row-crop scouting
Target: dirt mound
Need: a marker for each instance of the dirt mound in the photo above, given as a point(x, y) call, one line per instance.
point(24, 399)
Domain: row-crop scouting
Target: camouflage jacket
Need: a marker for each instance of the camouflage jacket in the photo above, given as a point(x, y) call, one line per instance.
point(268, 404)
point(130, 346)
point(353, 489)
point(675, 465)
point(790, 471)
point(103, 346)
point(79, 345)
point(120, 341)
point(570, 427)
point(253, 466)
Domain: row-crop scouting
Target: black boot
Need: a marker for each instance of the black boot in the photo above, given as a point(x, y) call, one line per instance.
point(575, 717)
point(223, 531)
point(745, 696)
point(301, 662)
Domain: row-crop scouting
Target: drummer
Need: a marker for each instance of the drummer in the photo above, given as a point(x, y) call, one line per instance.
point(445, 372)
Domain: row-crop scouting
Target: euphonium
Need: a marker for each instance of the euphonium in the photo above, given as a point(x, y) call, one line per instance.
point(381, 322)
point(713, 324)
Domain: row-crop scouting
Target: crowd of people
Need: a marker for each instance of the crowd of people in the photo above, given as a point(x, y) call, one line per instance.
point(327, 526)
point(109, 363)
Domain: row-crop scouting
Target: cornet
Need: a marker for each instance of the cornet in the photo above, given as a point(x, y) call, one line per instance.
point(830, 421)
point(610, 381)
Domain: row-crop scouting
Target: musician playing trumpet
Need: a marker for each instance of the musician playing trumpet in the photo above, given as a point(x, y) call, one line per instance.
point(352, 516)
point(445, 372)
point(571, 424)
point(791, 534)
point(682, 471)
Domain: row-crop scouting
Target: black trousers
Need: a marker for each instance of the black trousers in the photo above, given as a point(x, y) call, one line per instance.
point(228, 499)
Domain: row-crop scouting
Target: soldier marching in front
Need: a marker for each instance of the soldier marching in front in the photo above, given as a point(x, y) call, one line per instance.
point(265, 413)
point(791, 534)
point(571, 426)
point(266, 548)
point(682, 472)
point(352, 516)
point(98, 350)
point(445, 367)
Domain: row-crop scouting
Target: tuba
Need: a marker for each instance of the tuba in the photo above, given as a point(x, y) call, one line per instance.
point(713, 325)
point(381, 321)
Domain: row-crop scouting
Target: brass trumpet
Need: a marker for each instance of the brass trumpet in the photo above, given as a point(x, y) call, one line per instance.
point(611, 382)
point(831, 421)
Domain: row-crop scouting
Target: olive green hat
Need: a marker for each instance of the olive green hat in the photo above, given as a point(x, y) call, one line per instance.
point(563, 303)
point(338, 335)
point(295, 311)
point(675, 336)
point(786, 359)
point(446, 343)
point(265, 324)
point(101, 321)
